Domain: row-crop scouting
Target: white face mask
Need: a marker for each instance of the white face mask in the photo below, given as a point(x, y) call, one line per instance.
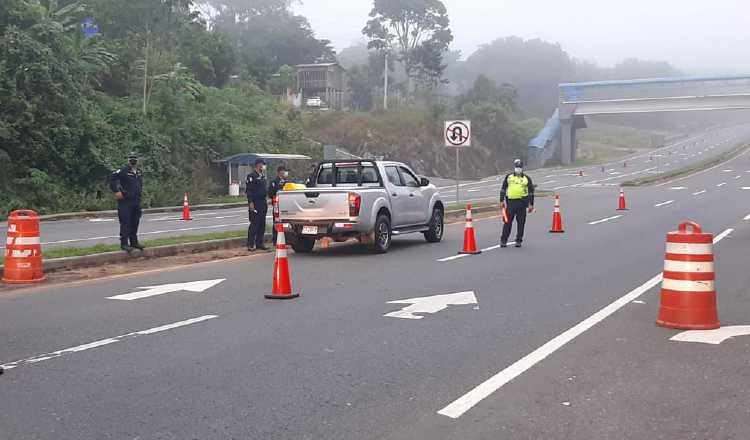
point(263, 168)
point(286, 174)
point(518, 170)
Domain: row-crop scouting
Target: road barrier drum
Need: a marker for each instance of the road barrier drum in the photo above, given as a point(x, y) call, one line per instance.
point(23, 253)
point(688, 295)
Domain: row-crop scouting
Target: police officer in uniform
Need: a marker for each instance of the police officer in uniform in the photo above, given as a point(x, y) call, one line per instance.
point(257, 192)
point(517, 195)
point(127, 185)
point(277, 184)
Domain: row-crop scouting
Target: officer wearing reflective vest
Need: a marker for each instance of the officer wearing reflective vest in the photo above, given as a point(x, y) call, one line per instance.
point(517, 197)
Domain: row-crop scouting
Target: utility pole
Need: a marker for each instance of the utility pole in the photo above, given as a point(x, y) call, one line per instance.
point(385, 82)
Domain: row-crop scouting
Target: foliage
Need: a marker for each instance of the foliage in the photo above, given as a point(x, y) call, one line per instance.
point(420, 30)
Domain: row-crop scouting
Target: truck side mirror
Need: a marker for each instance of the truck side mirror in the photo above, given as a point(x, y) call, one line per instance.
point(424, 182)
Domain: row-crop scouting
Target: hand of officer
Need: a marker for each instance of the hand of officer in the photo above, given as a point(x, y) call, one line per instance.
point(251, 205)
point(119, 195)
point(502, 205)
point(531, 209)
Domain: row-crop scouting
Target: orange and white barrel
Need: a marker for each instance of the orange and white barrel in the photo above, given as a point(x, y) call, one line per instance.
point(688, 294)
point(23, 253)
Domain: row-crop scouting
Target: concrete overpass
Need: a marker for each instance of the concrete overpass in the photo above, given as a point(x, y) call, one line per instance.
point(578, 100)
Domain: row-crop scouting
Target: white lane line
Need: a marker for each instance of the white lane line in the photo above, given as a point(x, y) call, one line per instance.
point(464, 403)
point(721, 184)
point(605, 220)
point(668, 202)
point(166, 231)
point(103, 342)
point(456, 257)
point(678, 188)
point(745, 187)
point(747, 217)
point(727, 171)
point(549, 182)
point(699, 192)
point(738, 177)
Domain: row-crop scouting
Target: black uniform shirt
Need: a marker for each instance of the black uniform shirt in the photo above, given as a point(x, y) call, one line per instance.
point(277, 185)
point(127, 181)
point(256, 187)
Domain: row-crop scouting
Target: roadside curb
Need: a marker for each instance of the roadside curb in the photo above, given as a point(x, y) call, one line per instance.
point(70, 263)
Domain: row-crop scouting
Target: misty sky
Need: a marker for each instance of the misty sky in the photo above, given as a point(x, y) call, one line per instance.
point(698, 36)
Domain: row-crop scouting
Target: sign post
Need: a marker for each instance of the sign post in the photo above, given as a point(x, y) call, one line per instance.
point(457, 135)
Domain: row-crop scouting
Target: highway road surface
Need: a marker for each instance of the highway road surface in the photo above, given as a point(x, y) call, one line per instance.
point(694, 149)
point(552, 341)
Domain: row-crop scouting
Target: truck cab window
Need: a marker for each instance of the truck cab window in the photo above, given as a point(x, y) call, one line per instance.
point(409, 179)
point(393, 176)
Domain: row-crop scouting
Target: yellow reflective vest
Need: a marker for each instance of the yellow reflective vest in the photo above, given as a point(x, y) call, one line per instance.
point(518, 187)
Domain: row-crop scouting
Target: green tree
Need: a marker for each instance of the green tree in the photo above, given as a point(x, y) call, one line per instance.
point(420, 30)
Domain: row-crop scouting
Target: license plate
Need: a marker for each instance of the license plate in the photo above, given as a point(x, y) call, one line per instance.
point(310, 230)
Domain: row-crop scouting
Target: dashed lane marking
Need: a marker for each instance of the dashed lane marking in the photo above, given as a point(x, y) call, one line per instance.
point(699, 192)
point(103, 342)
point(721, 184)
point(459, 256)
point(596, 222)
point(668, 202)
point(464, 403)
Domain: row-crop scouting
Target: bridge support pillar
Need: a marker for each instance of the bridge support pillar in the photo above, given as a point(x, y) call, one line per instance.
point(568, 142)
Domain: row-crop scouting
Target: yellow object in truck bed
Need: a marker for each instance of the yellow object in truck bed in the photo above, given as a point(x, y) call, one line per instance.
point(294, 186)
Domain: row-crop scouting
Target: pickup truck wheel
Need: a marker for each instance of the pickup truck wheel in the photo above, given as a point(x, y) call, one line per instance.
point(382, 235)
point(303, 245)
point(435, 233)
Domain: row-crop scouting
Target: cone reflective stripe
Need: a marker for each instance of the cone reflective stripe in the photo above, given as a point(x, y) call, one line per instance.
point(557, 227)
point(23, 252)
point(622, 205)
point(282, 286)
point(688, 294)
point(470, 242)
point(186, 208)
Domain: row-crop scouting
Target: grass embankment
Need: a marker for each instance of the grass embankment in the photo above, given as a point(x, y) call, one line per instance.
point(689, 170)
point(167, 241)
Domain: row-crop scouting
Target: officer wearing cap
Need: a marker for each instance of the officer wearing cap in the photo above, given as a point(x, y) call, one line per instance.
point(256, 189)
point(517, 196)
point(127, 186)
point(277, 184)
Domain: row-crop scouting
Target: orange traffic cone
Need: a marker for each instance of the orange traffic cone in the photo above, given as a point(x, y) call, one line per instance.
point(557, 227)
point(282, 287)
point(622, 206)
point(470, 242)
point(23, 255)
point(185, 209)
point(688, 295)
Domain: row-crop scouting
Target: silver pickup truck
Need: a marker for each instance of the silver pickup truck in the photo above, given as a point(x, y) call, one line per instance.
point(368, 200)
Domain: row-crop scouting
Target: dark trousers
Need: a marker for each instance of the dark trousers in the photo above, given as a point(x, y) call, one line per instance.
point(516, 210)
point(257, 229)
point(129, 213)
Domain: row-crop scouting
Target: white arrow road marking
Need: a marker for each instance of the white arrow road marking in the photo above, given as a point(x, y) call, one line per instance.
point(431, 304)
point(714, 337)
point(614, 217)
point(466, 402)
point(195, 287)
point(668, 202)
point(103, 342)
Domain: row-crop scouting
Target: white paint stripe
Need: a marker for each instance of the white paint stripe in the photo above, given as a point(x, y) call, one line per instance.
point(699, 192)
point(721, 184)
point(688, 286)
point(723, 235)
point(464, 403)
point(688, 266)
point(690, 248)
point(745, 187)
point(738, 177)
point(747, 217)
point(103, 342)
point(714, 337)
point(668, 202)
point(456, 257)
point(605, 220)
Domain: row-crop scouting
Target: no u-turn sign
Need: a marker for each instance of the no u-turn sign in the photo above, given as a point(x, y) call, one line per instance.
point(457, 133)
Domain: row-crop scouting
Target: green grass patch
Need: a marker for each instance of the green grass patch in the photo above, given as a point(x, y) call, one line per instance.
point(688, 170)
point(64, 252)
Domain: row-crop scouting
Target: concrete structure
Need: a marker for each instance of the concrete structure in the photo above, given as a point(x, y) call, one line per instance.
point(578, 100)
point(326, 81)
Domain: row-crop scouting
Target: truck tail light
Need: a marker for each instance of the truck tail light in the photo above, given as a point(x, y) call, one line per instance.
point(355, 203)
point(276, 209)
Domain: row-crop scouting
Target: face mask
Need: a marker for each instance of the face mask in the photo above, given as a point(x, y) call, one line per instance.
point(518, 170)
point(133, 162)
point(263, 168)
point(286, 174)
